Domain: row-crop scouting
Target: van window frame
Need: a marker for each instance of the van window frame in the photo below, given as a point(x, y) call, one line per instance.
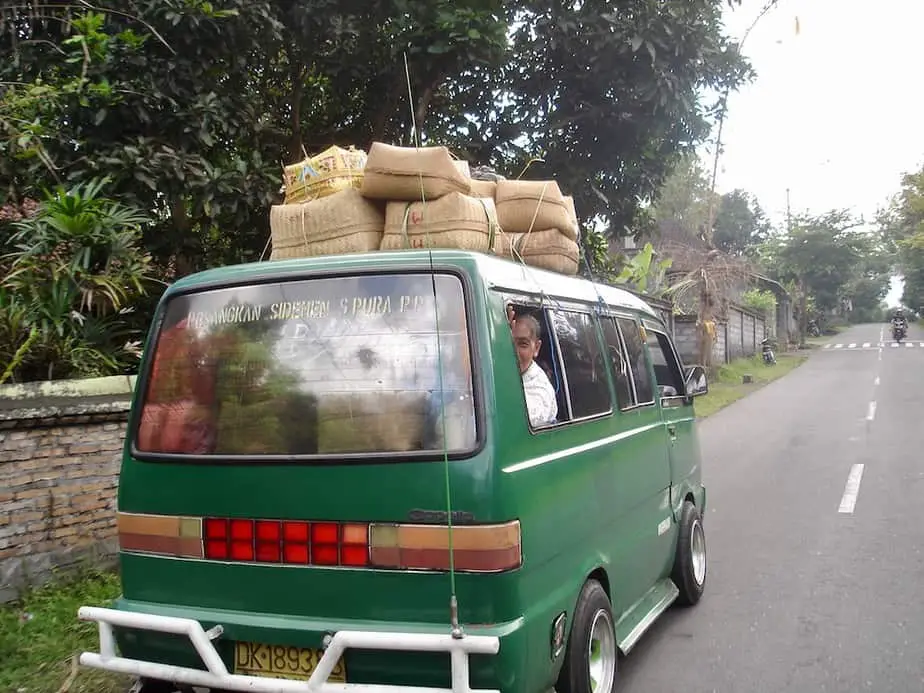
point(340, 459)
point(544, 304)
point(617, 315)
point(680, 399)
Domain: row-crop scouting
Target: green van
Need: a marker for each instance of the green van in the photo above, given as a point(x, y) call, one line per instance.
point(332, 479)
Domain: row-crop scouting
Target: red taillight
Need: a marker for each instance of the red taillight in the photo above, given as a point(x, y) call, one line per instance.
point(295, 553)
point(325, 543)
point(269, 534)
point(354, 551)
point(242, 530)
point(241, 550)
point(295, 532)
point(287, 541)
point(216, 538)
point(295, 542)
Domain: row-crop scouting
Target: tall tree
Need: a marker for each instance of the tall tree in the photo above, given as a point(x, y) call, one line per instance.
point(740, 223)
point(902, 225)
point(826, 257)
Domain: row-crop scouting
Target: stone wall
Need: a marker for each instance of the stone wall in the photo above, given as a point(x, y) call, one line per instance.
point(60, 449)
point(737, 336)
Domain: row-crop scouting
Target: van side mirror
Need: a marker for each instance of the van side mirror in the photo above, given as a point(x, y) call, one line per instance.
point(697, 383)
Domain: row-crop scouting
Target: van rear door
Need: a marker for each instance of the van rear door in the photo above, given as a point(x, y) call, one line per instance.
point(287, 447)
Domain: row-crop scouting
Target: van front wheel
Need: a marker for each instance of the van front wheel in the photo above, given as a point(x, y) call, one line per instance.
point(689, 572)
point(591, 656)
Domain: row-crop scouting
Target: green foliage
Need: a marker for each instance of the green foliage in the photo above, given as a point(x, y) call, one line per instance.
point(597, 263)
point(71, 275)
point(740, 224)
point(642, 270)
point(902, 226)
point(191, 110)
point(683, 199)
point(760, 301)
point(40, 637)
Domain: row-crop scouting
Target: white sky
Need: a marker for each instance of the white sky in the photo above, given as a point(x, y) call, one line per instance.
point(836, 113)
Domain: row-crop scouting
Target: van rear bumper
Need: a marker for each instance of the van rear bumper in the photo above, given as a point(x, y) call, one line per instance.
point(215, 673)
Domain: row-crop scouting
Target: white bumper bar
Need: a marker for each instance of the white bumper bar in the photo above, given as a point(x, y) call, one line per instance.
point(218, 676)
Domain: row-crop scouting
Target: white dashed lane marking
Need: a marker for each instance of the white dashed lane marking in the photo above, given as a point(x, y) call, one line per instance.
point(868, 345)
point(851, 490)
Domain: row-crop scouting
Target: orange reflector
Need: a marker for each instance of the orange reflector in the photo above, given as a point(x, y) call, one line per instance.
point(476, 548)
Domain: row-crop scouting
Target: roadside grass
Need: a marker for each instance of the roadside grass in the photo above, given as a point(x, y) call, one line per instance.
point(727, 386)
point(40, 638)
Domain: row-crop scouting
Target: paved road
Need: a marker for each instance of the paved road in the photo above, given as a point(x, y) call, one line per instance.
point(815, 584)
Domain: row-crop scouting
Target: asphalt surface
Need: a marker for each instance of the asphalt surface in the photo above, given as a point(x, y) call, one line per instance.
point(814, 583)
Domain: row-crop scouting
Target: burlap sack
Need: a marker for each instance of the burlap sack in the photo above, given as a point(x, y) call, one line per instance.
point(371, 422)
point(549, 249)
point(524, 205)
point(483, 188)
point(344, 222)
point(408, 173)
point(452, 221)
point(572, 212)
point(324, 174)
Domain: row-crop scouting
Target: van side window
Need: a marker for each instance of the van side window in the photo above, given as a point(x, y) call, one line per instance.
point(625, 396)
point(585, 369)
point(635, 349)
point(667, 370)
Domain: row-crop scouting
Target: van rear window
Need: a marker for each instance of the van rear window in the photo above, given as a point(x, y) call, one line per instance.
point(328, 366)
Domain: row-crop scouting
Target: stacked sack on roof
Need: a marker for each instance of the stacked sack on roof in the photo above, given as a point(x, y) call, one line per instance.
point(345, 201)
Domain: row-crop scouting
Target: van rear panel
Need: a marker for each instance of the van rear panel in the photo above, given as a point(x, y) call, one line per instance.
point(287, 466)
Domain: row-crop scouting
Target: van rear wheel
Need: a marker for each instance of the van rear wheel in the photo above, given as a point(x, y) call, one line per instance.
point(591, 658)
point(689, 572)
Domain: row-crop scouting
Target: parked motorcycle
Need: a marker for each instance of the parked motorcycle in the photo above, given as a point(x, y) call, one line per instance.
point(766, 351)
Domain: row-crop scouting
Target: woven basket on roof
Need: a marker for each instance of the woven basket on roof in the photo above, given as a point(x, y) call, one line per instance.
point(371, 422)
point(344, 222)
point(452, 221)
point(324, 174)
point(411, 173)
point(549, 249)
point(524, 205)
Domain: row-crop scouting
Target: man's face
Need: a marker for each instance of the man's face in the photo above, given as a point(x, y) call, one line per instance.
point(526, 345)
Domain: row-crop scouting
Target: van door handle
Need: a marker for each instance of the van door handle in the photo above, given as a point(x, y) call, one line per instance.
point(672, 430)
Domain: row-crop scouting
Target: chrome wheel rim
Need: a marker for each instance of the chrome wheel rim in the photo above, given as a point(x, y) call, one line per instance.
point(601, 658)
point(698, 552)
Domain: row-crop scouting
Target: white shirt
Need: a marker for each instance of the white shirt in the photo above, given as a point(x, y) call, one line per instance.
point(541, 403)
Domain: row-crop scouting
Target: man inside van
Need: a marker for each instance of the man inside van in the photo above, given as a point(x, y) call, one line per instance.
point(541, 403)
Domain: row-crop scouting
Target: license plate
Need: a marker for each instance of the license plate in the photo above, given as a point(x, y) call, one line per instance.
point(280, 661)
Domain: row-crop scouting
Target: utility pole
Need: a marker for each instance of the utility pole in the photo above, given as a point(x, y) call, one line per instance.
point(788, 214)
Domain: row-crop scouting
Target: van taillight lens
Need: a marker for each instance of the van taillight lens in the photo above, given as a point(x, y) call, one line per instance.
point(295, 543)
point(269, 538)
point(354, 548)
point(475, 548)
point(325, 549)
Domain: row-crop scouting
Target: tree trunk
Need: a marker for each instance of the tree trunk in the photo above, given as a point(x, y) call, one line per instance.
point(184, 259)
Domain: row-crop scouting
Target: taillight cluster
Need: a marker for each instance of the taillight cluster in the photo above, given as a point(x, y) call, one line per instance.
point(283, 541)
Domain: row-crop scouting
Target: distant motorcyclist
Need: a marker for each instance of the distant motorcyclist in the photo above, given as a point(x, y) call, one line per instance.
point(899, 324)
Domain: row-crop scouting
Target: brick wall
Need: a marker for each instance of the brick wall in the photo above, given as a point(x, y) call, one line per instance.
point(60, 449)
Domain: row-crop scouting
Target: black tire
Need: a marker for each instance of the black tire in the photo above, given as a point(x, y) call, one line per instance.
point(592, 606)
point(690, 580)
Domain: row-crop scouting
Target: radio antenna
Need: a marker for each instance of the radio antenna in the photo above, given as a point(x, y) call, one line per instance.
point(456, 628)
